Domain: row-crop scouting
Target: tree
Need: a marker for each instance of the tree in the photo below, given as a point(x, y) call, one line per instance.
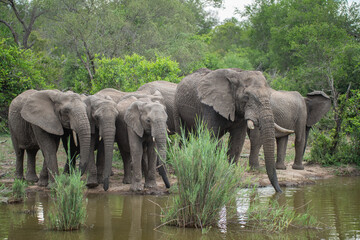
point(26, 14)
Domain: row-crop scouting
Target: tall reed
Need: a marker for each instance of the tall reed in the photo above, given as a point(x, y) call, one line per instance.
point(206, 181)
point(68, 211)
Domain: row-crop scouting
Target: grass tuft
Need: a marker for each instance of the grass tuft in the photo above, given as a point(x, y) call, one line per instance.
point(69, 211)
point(19, 189)
point(206, 182)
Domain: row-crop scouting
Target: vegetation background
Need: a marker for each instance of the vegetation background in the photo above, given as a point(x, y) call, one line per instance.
point(87, 45)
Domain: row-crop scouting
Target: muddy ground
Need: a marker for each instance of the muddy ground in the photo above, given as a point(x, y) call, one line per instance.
point(288, 177)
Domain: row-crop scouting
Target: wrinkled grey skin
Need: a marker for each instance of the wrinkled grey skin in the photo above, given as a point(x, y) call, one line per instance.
point(122, 138)
point(37, 120)
point(226, 99)
point(167, 90)
point(141, 135)
point(293, 112)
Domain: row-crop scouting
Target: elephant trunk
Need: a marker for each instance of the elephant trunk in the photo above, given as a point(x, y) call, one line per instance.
point(159, 132)
point(267, 132)
point(84, 133)
point(108, 137)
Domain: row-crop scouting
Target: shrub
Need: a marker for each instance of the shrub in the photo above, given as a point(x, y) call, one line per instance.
point(68, 211)
point(206, 180)
point(130, 73)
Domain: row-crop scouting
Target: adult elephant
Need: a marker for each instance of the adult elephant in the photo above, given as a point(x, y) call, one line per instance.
point(229, 100)
point(291, 111)
point(141, 135)
point(37, 120)
point(167, 90)
point(124, 125)
point(102, 113)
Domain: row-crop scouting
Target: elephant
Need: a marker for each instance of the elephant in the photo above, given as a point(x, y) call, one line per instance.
point(291, 111)
point(145, 108)
point(229, 100)
point(167, 90)
point(37, 120)
point(102, 113)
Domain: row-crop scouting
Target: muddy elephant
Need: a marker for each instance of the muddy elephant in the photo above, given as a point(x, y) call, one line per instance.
point(153, 130)
point(229, 100)
point(294, 112)
point(167, 90)
point(37, 120)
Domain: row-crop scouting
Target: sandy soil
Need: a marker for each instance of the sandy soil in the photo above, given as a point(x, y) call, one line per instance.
point(288, 177)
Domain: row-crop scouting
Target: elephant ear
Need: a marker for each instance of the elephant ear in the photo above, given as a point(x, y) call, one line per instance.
point(318, 104)
point(132, 117)
point(215, 89)
point(39, 110)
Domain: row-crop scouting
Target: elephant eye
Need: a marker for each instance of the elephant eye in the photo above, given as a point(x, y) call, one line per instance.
point(148, 120)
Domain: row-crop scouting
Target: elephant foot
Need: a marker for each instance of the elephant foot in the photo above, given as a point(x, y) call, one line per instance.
point(298, 166)
point(100, 178)
point(32, 178)
point(42, 182)
point(136, 187)
point(254, 166)
point(127, 180)
point(280, 166)
point(92, 182)
point(150, 184)
point(19, 176)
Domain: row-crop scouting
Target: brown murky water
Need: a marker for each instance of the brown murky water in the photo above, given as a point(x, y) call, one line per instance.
point(334, 202)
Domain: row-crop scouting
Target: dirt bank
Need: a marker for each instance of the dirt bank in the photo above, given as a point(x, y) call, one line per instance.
point(288, 177)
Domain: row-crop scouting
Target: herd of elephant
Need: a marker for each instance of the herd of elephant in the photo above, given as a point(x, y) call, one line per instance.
point(228, 100)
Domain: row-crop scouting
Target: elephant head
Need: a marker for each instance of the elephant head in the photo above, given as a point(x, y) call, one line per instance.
point(317, 104)
point(52, 111)
point(103, 116)
point(147, 117)
point(242, 95)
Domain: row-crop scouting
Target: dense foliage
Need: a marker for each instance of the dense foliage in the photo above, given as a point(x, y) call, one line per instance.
point(88, 45)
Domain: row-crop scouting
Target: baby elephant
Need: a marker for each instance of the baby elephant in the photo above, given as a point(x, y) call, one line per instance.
point(293, 112)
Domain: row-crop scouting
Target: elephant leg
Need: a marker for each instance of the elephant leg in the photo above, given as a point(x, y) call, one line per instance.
point(144, 163)
point(44, 176)
point(19, 172)
point(31, 165)
point(281, 152)
point(236, 142)
point(136, 152)
point(100, 162)
point(255, 145)
point(93, 178)
point(49, 145)
point(150, 179)
point(127, 167)
point(299, 150)
point(72, 152)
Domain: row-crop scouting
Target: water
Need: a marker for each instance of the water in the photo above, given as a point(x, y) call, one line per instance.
point(334, 202)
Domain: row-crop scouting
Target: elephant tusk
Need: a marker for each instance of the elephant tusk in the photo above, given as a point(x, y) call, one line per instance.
point(250, 124)
point(100, 138)
point(153, 139)
point(168, 130)
point(75, 138)
point(283, 130)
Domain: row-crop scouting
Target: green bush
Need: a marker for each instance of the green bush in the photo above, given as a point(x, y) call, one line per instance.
point(68, 211)
point(206, 182)
point(347, 146)
point(129, 73)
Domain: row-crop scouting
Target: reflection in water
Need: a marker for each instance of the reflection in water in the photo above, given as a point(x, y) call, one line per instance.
point(334, 202)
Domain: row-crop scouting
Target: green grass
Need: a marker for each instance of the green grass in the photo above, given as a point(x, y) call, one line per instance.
point(68, 211)
point(19, 189)
point(206, 182)
point(275, 218)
